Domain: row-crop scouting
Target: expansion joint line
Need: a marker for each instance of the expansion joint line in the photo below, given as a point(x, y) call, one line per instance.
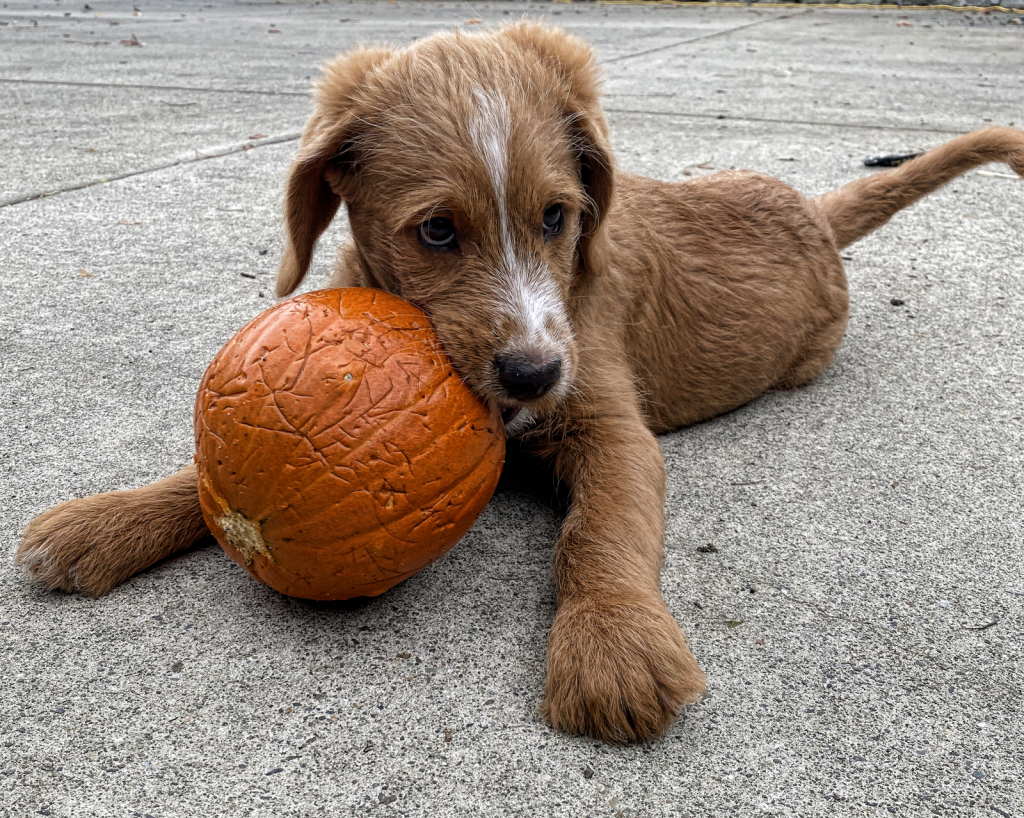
point(700, 37)
point(185, 159)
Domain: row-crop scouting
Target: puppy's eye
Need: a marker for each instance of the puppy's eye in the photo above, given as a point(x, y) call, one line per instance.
point(552, 221)
point(437, 233)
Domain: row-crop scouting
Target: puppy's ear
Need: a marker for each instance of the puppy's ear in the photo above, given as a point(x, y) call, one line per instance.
point(597, 173)
point(572, 63)
point(326, 161)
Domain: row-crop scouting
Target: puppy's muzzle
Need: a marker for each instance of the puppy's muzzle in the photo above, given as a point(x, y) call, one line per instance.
point(525, 379)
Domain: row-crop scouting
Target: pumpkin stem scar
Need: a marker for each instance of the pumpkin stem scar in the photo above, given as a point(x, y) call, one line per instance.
point(243, 535)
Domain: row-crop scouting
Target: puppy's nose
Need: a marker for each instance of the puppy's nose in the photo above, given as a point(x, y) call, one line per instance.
point(526, 380)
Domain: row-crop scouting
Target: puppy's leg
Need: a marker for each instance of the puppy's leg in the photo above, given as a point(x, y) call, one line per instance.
point(92, 544)
point(817, 355)
point(619, 666)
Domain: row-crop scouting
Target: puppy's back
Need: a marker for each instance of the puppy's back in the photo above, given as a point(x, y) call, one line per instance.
point(733, 278)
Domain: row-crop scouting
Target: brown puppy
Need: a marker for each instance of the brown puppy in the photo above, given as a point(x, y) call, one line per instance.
point(594, 307)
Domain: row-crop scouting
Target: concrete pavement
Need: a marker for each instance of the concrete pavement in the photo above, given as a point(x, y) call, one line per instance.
point(847, 559)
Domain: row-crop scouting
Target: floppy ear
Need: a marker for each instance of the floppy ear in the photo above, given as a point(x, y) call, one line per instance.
point(597, 173)
point(312, 199)
point(572, 61)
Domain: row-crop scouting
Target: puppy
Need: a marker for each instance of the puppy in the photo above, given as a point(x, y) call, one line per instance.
point(595, 308)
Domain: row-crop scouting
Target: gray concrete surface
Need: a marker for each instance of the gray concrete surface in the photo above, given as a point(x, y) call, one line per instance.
point(861, 619)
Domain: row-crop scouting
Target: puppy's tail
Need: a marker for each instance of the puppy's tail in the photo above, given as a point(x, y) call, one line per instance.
point(858, 208)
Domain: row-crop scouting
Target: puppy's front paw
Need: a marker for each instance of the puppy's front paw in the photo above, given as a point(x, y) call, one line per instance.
point(72, 547)
point(618, 671)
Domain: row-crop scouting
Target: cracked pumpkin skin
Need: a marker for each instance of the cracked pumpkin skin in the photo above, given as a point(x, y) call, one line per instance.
point(338, 451)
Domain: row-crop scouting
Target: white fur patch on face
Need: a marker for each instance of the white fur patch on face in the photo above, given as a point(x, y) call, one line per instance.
point(490, 129)
point(537, 301)
point(530, 297)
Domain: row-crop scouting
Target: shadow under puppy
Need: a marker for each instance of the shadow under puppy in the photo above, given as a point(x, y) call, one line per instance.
point(594, 307)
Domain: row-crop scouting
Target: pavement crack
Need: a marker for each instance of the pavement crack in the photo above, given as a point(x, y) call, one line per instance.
point(701, 37)
point(198, 155)
point(147, 87)
point(872, 126)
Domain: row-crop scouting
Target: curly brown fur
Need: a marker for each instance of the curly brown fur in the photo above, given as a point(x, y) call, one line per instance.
point(94, 543)
point(595, 308)
point(865, 205)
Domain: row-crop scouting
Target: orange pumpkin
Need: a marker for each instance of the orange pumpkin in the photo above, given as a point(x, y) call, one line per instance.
point(338, 451)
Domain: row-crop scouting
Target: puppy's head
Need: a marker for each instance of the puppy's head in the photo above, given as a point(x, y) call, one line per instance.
point(476, 172)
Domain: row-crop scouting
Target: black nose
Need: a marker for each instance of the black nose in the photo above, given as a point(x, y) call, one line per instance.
point(526, 380)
